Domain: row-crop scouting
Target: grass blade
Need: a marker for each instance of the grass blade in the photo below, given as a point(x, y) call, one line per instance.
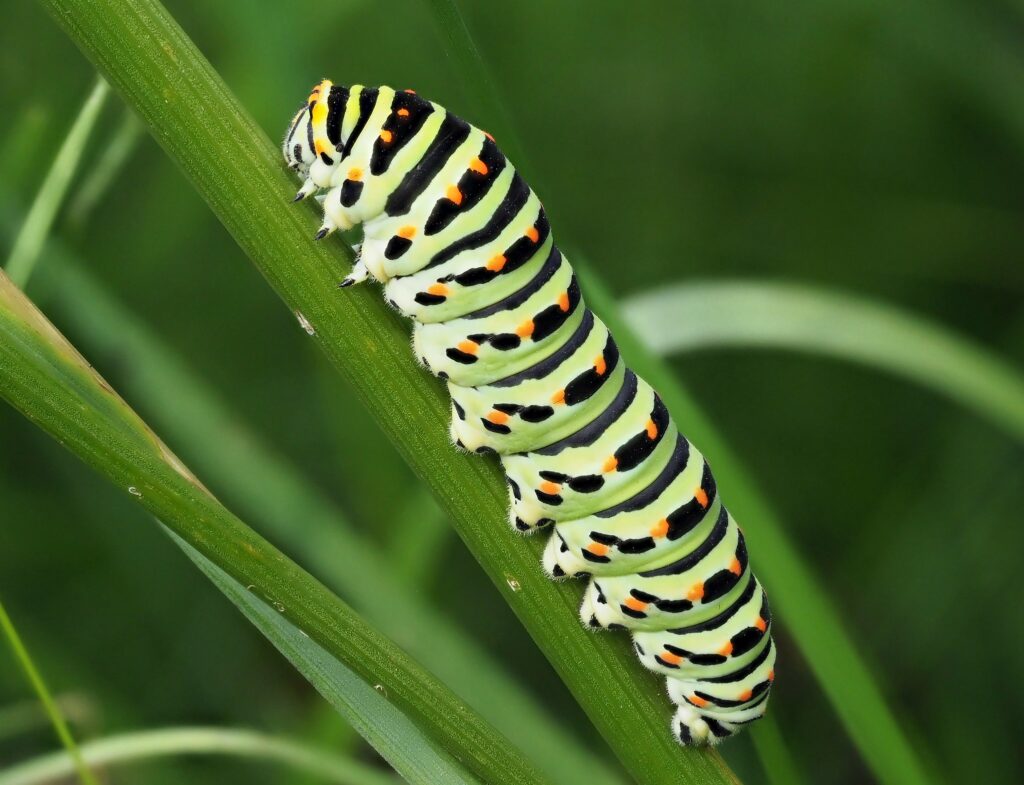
point(150, 61)
point(760, 314)
point(126, 748)
point(44, 209)
point(44, 377)
point(77, 764)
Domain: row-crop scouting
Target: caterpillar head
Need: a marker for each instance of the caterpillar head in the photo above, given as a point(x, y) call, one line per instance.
point(306, 147)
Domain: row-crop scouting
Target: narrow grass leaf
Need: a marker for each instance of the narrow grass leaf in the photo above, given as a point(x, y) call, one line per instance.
point(21, 654)
point(145, 746)
point(794, 317)
point(51, 194)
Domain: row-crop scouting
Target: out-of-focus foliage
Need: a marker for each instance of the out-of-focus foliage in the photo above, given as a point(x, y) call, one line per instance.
point(870, 147)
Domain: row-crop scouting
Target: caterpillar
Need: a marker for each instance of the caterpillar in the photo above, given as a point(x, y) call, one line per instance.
point(462, 246)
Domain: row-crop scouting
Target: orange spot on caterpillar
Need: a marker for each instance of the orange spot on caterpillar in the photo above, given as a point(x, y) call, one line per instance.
point(550, 488)
point(745, 695)
point(771, 675)
point(702, 497)
point(498, 418)
point(610, 464)
point(525, 330)
point(407, 232)
point(563, 302)
point(735, 567)
point(402, 112)
point(478, 166)
point(652, 430)
point(533, 234)
point(697, 701)
point(670, 658)
point(598, 549)
point(454, 194)
point(470, 347)
point(660, 529)
point(438, 289)
point(497, 263)
point(726, 650)
point(634, 604)
point(410, 92)
point(488, 136)
point(600, 365)
point(761, 624)
point(319, 146)
point(696, 592)
point(558, 397)
point(355, 173)
point(386, 136)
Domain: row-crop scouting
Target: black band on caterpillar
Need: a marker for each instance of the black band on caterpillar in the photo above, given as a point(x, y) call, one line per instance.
point(464, 249)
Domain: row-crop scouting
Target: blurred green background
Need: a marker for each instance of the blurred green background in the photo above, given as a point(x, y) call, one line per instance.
point(871, 148)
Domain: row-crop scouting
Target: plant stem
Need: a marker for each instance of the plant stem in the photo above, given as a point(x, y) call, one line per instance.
point(21, 654)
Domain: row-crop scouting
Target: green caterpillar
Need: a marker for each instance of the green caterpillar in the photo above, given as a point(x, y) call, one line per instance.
point(462, 246)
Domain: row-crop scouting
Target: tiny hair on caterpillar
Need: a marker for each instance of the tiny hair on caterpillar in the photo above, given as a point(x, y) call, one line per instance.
point(462, 246)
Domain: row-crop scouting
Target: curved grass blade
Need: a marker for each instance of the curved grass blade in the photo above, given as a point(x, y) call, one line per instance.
point(233, 165)
point(44, 377)
point(760, 314)
point(139, 746)
point(44, 209)
point(77, 765)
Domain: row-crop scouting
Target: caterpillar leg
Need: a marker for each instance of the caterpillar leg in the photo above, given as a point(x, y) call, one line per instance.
point(358, 275)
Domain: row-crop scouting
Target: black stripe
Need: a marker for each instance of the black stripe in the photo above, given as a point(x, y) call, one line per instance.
point(746, 670)
point(509, 208)
point(295, 125)
point(638, 448)
point(402, 129)
point(692, 559)
point(520, 296)
point(717, 621)
point(640, 500)
point(549, 320)
point(367, 101)
point(452, 133)
point(551, 362)
point(337, 98)
point(592, 431)
point(472, 185)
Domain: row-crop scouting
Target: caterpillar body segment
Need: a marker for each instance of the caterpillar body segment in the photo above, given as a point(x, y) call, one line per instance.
point(462, 246)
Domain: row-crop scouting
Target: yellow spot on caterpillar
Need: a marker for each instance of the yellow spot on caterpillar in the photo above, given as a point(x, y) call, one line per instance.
point(761, 624)
point(550, 488)
point(439, 289)
point(745, 695)
point(735, 567)
point(497, 263)
point(558, 397)
point(470, 347)
point(407, 232)
point(478, 166)
point(597, 548)
point(702, 497)
point(696, 592)
point(726, 650)
point(355, 173)
point(319, 112)
point(600, 365)
point(610, 465)
point(319, 146)
point(454, 194)
point(533, 234)
point(660, 529)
